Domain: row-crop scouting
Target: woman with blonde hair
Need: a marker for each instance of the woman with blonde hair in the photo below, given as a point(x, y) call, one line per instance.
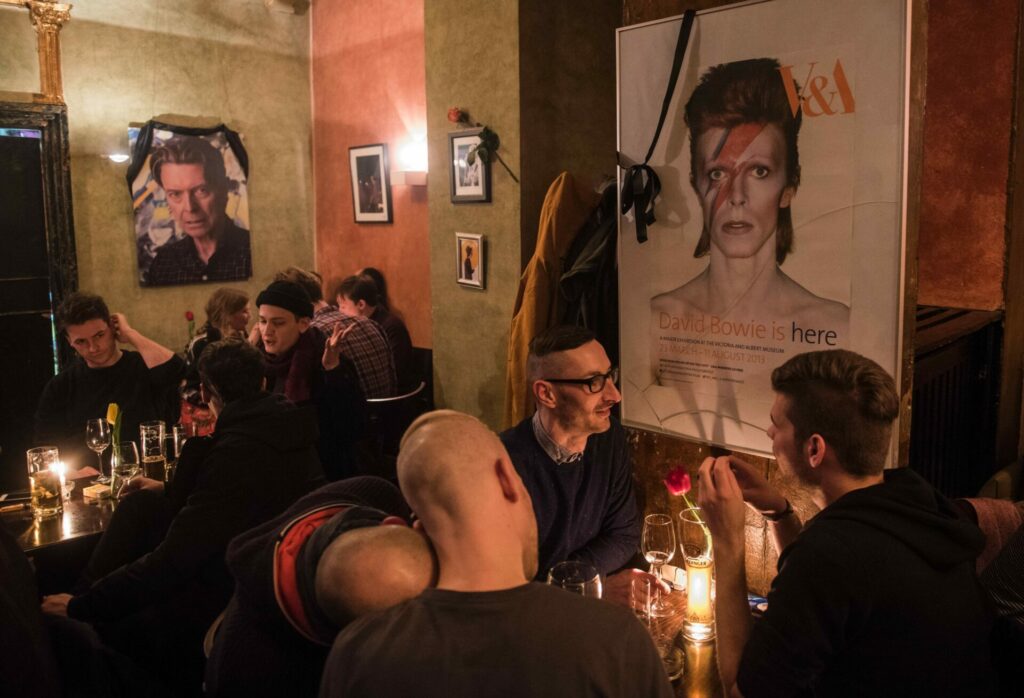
point(227, 315)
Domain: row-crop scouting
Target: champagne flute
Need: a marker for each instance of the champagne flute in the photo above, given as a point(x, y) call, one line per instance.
point(658, 542)
point(124, 465)
point(97, 438)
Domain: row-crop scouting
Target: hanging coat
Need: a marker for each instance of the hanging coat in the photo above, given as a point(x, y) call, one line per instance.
point(566, 207)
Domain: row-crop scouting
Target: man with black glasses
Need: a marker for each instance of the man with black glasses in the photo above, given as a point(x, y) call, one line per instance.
point(572, 454)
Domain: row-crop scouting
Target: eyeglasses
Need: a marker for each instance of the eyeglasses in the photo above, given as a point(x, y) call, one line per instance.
point(594, 384)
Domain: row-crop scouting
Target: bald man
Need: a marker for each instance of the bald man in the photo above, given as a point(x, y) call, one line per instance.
point(485, 629)
point(341, 551)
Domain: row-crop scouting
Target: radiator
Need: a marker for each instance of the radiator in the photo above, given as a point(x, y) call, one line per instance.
point(956, 387)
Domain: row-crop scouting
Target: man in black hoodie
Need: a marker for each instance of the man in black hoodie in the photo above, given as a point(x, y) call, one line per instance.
point(261, 458)
point(876, 595)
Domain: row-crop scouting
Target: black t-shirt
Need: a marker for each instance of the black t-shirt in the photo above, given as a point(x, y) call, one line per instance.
point(532, 640)
point(79, 393)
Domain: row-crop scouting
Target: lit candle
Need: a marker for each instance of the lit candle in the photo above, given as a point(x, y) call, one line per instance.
point(59, 468)
point(698, 590)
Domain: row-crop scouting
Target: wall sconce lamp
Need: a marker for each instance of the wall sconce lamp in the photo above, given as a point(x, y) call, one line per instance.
point(412, 162)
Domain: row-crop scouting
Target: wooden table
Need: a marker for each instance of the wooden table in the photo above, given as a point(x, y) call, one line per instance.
point(82, 518)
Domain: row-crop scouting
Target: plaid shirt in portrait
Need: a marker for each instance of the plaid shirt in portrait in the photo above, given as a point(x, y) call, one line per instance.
point(178, 262)
point(367, 347)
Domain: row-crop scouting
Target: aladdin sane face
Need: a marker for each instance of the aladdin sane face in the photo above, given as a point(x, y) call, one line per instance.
point(741, 182)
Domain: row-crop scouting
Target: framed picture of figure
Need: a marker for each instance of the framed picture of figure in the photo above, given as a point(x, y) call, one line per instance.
point(470, 175)
point(371, 183)
point(781, 218)
point(190, 196)
point(469, 259)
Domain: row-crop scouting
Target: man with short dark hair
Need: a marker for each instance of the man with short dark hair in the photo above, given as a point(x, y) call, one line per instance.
point(260, 459)
point(357, 339)
point(573, 456)
point(486, 630)
point(303, 576)
point(144, 383)
point(191, 172)
point(358, 296)
point(877, 594)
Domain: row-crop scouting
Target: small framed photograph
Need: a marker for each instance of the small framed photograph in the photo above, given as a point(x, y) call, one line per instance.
point(371, 183)
point(470, 181)
point(469, 259)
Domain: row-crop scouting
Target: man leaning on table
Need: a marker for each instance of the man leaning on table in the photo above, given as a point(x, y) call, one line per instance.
point(486, 630)
point(876, 595)
point(573, 457)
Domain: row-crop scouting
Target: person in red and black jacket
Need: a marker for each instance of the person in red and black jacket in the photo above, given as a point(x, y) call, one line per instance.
point(302, 576)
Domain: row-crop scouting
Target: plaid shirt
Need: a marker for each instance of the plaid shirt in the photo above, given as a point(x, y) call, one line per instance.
point(367, 347)
point(178, 262)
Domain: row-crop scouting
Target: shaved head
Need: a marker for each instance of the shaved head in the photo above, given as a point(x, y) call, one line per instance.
point(457, 476)
point(372, 569)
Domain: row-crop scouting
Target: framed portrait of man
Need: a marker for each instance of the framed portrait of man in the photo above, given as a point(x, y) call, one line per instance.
point(371, 183)
point(189, 189)
point(780, 224)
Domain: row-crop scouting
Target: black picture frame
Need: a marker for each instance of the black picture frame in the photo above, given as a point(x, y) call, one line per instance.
point(371, 183)
point(470, 183)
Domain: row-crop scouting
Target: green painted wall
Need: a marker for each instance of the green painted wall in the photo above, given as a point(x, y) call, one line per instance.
point(542, 75)
point(473, 62)
point(193, 62)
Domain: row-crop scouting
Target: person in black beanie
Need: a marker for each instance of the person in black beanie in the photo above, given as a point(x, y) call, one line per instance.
point(307, 370)
point(304, 575)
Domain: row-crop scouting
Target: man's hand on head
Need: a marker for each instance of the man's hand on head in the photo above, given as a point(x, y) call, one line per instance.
point(122, 330)
point(617, 587)
point(56, 604)
point(721, 501)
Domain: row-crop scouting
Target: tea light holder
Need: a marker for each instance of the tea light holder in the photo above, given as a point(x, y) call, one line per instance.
point(698, 560)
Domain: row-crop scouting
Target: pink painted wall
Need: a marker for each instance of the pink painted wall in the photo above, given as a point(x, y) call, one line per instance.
point(369, 86)
point(968, 119)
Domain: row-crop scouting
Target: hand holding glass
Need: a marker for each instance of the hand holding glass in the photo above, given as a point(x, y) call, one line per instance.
point(124, 465)
point(658, 542)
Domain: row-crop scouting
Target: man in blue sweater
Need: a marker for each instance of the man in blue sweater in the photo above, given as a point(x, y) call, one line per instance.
point(572, 454)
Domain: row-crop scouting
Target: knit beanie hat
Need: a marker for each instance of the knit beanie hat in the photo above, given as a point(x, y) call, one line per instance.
point(285, 294)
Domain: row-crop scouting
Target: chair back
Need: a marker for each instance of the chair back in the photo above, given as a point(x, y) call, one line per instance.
point(388, 418)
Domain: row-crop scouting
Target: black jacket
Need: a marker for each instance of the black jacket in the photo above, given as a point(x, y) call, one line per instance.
point(261, 459)
point(877, 596)
point(259, 651)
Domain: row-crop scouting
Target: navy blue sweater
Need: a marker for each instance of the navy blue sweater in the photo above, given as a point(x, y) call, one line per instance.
point(586, 510)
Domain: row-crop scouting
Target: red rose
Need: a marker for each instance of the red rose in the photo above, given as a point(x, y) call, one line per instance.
point(189, 316)
point(677, 481)
point(456, 115)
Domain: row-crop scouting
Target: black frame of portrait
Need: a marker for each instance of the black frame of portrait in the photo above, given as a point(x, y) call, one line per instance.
point(485, 170)
point(380, 150)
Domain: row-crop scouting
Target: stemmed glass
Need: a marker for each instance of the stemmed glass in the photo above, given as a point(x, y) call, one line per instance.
point(124, 465)
point(658, 543)
point(97, 438)
point(577, 577)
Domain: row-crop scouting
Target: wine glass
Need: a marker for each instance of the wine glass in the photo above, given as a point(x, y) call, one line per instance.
point(577, 577)
point(97, 438)
point(658, 543)
point(124, 465)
